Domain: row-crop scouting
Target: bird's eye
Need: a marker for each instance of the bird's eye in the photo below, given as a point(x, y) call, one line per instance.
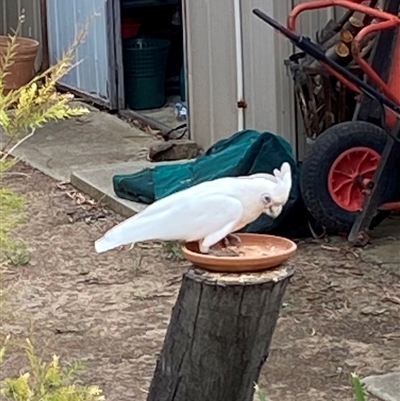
point(266, 198)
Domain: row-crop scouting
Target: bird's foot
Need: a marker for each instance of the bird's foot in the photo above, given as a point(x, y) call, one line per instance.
point(232, 240)
point(224, 252)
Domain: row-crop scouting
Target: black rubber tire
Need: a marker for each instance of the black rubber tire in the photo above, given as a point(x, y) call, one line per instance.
point(316, 165)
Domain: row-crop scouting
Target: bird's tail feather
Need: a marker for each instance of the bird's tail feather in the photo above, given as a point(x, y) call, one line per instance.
point(130, 231)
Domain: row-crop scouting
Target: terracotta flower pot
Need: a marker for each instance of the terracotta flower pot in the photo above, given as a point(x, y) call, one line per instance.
point(257, 252)
point(22, 69)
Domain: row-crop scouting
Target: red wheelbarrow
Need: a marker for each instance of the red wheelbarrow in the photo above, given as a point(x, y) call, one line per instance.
point(351, 175)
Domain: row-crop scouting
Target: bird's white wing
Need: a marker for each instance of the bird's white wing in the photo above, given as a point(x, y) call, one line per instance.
point(179, 217)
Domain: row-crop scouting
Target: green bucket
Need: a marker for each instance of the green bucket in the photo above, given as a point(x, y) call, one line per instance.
point(145, 62)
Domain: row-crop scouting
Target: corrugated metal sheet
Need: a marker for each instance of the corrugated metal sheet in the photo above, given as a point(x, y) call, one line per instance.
point(311, 21)
point(211, 81)
point(268, 89)
point(32, 28)
point(91, 76)
point(212, 86)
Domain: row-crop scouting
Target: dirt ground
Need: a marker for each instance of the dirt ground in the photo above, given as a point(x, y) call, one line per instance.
point(340, 313)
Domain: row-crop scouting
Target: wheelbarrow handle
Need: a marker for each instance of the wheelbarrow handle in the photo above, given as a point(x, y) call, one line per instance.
point(305, 43)
point(302, 42)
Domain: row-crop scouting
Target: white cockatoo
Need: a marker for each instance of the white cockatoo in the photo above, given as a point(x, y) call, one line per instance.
point(208, 212)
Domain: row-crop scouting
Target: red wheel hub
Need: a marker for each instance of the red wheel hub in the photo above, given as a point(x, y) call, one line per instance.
point(350, 175)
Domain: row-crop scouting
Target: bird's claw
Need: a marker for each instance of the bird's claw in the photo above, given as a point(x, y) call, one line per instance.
point(232, 240)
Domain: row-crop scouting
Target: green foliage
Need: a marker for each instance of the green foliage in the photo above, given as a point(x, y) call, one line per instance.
point(6, 164)
point(174, 250)
point(21, 112)
point(358, 388)
point(47, 381)
point(3, 348)
point(259, 393)
point(11, 212)
point(29, 107)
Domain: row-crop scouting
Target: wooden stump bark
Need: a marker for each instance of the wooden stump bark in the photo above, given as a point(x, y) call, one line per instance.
point(219, 335)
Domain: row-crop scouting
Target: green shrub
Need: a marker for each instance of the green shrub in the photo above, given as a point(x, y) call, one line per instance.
point(46, 381)
point(22, 111)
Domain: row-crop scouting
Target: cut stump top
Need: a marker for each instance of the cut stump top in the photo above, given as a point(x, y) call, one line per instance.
point(275, 275)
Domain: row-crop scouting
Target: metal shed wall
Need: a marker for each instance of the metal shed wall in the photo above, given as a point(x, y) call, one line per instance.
point(211, 55)
point(211, 81)
point(268, 90)
point(32, 28)
point(91, 74)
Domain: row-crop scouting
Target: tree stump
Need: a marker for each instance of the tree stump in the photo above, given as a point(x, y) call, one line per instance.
point(219, 335)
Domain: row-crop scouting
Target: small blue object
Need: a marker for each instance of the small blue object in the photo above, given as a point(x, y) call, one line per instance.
point(180, 111)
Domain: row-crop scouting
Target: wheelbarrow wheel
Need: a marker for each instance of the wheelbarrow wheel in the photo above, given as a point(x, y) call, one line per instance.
point(336, 170)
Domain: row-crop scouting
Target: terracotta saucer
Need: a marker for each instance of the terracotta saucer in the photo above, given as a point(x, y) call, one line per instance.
point(257, 252)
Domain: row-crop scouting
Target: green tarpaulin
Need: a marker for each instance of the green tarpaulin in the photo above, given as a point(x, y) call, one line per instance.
point(244, 153)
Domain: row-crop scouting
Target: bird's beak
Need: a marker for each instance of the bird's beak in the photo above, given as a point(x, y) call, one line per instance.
point(274, 211)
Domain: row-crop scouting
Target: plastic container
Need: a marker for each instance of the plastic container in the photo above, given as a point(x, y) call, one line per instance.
point(129, 28)
point(145, 62)
point(23, 68)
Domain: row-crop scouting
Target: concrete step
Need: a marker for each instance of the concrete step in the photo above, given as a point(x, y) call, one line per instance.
point(386, 387)
point(97, 183)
